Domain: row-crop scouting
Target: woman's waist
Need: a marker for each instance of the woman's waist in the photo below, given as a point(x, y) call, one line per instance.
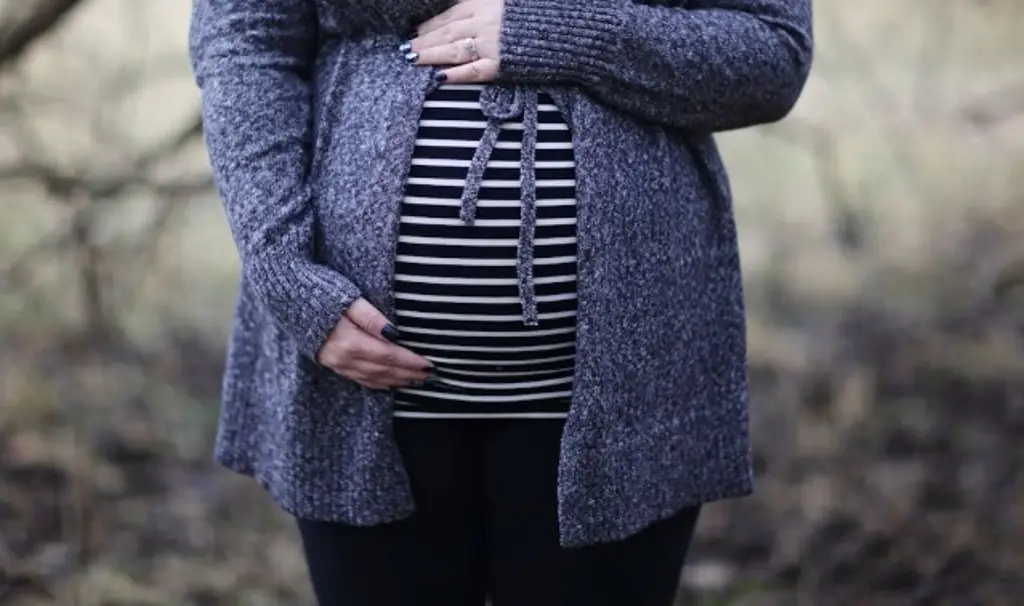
point(479, 353)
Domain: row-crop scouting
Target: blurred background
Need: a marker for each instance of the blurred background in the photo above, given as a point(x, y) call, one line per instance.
point(882, 228)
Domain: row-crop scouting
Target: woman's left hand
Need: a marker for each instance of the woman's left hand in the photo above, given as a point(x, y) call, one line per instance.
point(464, 37)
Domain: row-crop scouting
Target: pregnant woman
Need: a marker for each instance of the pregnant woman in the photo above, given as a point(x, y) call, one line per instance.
point(489, 342)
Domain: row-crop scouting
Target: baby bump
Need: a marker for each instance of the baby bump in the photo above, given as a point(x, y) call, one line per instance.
point(457, 298)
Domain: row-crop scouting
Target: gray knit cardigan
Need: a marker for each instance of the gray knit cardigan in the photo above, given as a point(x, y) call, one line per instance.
point(310, 115)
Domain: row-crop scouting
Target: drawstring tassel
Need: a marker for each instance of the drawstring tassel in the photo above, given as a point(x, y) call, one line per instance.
point(475, 177)
point(528, 224)
point(500, 103)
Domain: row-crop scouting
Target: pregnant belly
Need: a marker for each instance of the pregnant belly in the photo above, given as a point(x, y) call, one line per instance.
point(456, 288)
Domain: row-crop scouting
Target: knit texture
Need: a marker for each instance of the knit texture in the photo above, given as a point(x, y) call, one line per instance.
point(310, 116)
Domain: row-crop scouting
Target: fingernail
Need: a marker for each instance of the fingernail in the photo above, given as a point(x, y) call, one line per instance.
point(433, 380)
point(441, 77)
point(405, 47)
point(390, 333)
point(411, 57)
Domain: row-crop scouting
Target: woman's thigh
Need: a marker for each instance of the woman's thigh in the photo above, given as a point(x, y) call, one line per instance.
point(529, 568)
point(433, 558)
point(642, 570)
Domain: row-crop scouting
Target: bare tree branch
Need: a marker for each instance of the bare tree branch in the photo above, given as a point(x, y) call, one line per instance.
point(997, 107)
point(19, 34)
point(60, 183)
point(1010, 279)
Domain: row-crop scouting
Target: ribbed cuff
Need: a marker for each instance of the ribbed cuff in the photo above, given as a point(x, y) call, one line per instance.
point(305, 299)
point(559, 40)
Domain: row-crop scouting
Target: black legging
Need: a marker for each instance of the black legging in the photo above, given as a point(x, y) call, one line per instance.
point(486, 525)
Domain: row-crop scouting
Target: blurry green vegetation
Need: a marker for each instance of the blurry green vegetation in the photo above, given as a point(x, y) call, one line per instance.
point(880, 226)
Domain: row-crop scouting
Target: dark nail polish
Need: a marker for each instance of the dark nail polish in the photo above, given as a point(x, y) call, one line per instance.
point(390, 333)
point(441, 77)
point(434, 381)
point(411, 57)
point(405, 47)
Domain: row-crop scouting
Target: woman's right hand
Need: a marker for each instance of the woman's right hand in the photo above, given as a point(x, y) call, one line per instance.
point(360, 348)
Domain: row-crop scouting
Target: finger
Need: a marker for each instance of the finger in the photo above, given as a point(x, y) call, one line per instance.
point(374, 385)
point(365, 316)
point(395, 356)
point(450, 33)
point(453, 53)
point(334, 353)
point(456, 13)
point(484, 70)
point(377, 376)
point(366, 348)
point(388, 375)
point(382, 373)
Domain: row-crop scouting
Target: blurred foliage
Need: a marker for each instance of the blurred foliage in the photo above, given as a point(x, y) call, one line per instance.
point(881, 231)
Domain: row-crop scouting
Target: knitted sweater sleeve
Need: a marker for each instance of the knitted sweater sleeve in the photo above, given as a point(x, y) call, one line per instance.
point(702, 65)
point(252, 60)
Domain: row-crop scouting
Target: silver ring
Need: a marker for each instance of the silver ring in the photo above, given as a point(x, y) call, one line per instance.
point(469, 44)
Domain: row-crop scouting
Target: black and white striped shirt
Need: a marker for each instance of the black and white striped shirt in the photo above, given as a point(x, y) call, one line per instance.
point(456, 285)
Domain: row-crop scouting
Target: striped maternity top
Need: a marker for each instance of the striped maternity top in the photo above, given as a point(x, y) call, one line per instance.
point(457, 301)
